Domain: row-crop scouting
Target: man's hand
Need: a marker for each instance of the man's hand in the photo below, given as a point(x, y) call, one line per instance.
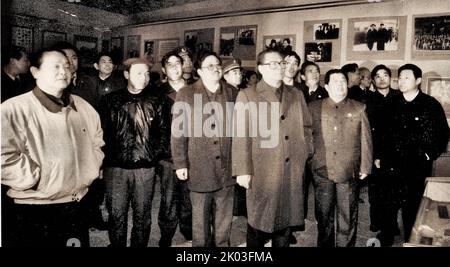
point(182, 174)
point(362, 176)
point(377, 163)
point(244, 181)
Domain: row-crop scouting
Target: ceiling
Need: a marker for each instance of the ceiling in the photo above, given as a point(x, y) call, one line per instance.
point(127, 7)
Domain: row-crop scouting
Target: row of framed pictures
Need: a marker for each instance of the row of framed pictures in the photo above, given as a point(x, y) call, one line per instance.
point(381, 38)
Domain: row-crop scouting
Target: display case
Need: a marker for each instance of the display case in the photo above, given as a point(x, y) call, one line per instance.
point(432, 226)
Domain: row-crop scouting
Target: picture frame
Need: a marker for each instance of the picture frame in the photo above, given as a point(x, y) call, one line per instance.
point(381, 38)
point(133, 46)
point(430, 33)
point(22, 37)
point(439, 88)
point(281, 43)
point(322, 42)
point(199, 41)
point(165, 46)
point(87, 49)
point(49, 38)
point(238, 42)
point(149, 50)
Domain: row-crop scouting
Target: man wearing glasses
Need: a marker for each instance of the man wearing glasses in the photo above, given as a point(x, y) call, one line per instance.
point(272, 175)
point(201, 152)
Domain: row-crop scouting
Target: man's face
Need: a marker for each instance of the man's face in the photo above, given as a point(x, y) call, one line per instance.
point(210, 70)
point(173, 68)
point(354, 78)
point(382, 80)
point(105, 65)
point(188, 66)
point(233, 77)
point(138, 77)
point(337, 86)
point(291, 67)
point(23, 64)
point(271, 69)
point(407, 82)
point(312, 75)
point(73, 60)
point(53, 75)
point(365, 79)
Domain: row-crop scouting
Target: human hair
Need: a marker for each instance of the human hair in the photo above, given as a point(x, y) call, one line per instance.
point(292, 54)
point(380, 67)
point(351, 67)
point(415, 69)
point(203, 56)
point(36, 59)
point(287, 40)
point(167, 56)
point(262, 55)
point(306, 64)
point(104, 54)
point(133, 61)
point(65, 45)
point(16, 52)
point(331, 72)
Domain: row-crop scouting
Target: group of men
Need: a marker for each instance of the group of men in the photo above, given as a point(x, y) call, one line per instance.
point(203, 137)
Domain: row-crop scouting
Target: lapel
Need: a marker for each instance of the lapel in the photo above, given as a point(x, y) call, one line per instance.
point(287, 99)
point(266, 92)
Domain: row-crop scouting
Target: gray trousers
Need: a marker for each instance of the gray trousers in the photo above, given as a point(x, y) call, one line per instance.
point(212, 214)
point(122, 187)
point(338, 200)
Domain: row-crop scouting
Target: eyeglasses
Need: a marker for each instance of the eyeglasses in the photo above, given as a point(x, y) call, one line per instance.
point(274, 64)
point(213, 67)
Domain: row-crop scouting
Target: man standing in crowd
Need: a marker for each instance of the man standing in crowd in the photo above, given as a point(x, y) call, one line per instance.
point(15, 65)
point(371, 36)
point(366, 80)
point(310, 75)
point(353, 76)
point(417, 134)
point(136, 125)
point(343, 154)
point(378, 112)
point(188, 65)
point(272, 172)
point(175, 208)
point(51, 153)
point(382, 37)
point(292, 66)
point(201, 152)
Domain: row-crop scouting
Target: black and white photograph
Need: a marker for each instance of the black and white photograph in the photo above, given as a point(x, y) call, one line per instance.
point(318, 52)
point(226, 130)
point(326, 30)
point(376, 35)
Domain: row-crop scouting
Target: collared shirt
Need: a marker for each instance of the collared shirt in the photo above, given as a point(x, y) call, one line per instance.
point(52, 103)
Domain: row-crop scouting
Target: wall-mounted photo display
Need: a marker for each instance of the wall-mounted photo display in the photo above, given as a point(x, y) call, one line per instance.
point(87, 49)
point(376, 38)
point(238, 42)
point(199, 41)
point(323, 42)
point(133, 46)
point(117, 44)
point(167, 45)
point(431, 38)
point(439, 88)
point(50, 38)
point(22, 37)
point(149, 50)
point(282, 43)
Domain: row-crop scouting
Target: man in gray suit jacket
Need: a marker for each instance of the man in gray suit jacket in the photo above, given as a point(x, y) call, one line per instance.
point(343, 154)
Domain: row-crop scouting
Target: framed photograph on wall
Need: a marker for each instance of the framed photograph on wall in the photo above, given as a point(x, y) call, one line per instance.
point(431, 39)
point(238, 42)
point(87, 47)
point(167, 45)
point(22, 37)
point(376, 38)
point(199, 41)
point(49, 38)
point(323, 42)
point(439, 88)
point(281, 43)
point(133, 46)
point(149, 50)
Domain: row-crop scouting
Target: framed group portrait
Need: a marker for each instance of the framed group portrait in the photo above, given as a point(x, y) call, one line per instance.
point(282, 43)
point(439, 88)
point(323, 41)
point(431, 37)
point(376, 38)
point(238, 42)
point(50, 38)
point(199, 41)
point(133, 46)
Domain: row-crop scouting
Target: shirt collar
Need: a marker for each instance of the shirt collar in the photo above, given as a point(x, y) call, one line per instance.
point(52, 103)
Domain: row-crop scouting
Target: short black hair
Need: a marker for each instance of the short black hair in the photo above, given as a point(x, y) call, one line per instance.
point(415, 69)
point(36, 59)
point(167, 56)
point(351, 67)
point(16, 52)
point(380, 67)
point(198, 63)
point(306, 64)
point(104, 54)
point(331, 72)
point(292, 54)
point(65, 45)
